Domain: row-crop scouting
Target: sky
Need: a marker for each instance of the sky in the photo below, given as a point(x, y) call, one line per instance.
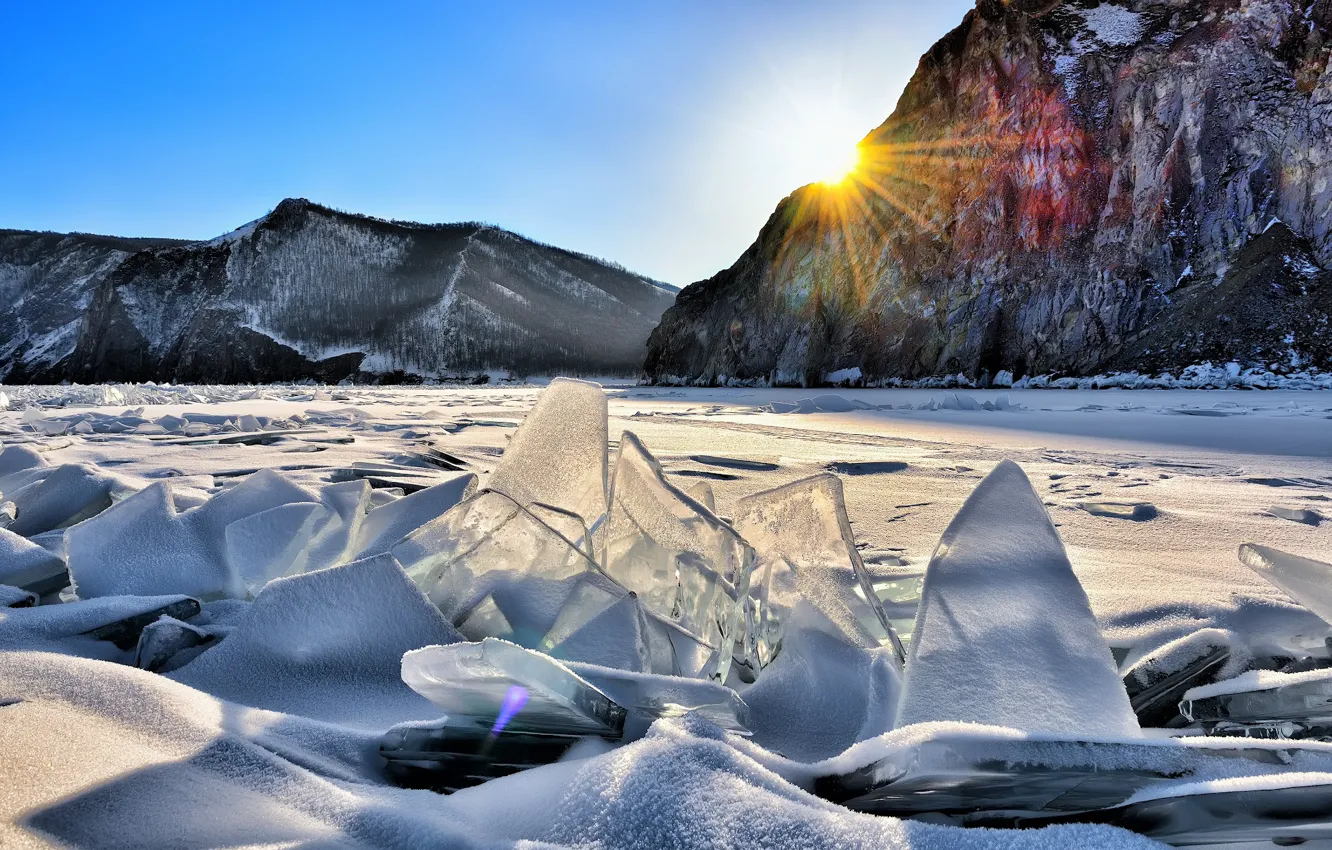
point(659, 135)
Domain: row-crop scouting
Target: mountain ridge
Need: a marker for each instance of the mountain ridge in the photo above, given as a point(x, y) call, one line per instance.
point(308, 291)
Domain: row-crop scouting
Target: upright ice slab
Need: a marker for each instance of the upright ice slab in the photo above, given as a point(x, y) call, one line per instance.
point(805, 549)
point(386, 525)
point(557, 457)
point(685, 565)
point(1308, 581)
point(491, 546)
point(1004, 634)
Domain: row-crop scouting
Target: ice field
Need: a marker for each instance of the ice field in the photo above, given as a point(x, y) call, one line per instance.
point(277, 592)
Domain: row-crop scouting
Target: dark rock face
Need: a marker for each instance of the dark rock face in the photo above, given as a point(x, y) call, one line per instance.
point(1065, 187)
point(308, 292)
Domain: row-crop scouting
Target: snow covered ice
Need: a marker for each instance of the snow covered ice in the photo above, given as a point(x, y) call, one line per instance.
point(270, 582)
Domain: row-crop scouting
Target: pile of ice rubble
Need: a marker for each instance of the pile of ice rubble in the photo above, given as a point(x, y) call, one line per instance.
point(681, 677)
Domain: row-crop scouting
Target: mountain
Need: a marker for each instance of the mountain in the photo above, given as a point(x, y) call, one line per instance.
point(1064, 187)
point(310, 292)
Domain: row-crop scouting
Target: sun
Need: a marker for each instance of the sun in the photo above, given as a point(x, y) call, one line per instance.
point(835, 162)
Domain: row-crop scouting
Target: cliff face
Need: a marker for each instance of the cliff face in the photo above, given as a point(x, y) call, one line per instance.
point(308, 292)
point(1065, 187)
point(47, 281)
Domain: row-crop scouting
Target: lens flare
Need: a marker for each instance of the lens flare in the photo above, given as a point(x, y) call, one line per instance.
point(514, 700)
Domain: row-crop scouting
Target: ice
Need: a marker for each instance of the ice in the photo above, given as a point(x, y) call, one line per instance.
point(162, 641)
point(483, 620)
point(25, 564)
point(387, 524)
point(68, 494)
point(1265, 704)
point(326, 644)
point(599, 623)
point(1157, 682)
point(16, 597)
point(487, 545)
point(8, 513)
point(701, 492)
point(145, 544)
point(686, 566)
point(979, 776)
point(472, 682)
point(274, 542)
point(648, 697)
point(557, 457)
point(1136, 511)
point(1004, 634)
point(805, 549)
point(822, 694)
point(1308, 581)
point(69, 627)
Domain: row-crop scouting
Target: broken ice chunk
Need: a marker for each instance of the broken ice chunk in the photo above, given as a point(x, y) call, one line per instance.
point(273, 543)
point(145, 545)
point(125, 633)
point(492, 545)
point(701, 492)
point(1156, 682)
point(600, 623)
point(16, 597)
point(648, 697)
point(485, 619)
point(8, 513)
point(685, 564)
point(163, 640)
point(557, 457)
point(480, 681)
point(1004, 634)
point(19, 458)
point(387, 524)
point(1265, 704)
point(806, 550)
point(25, 564)
point(327, 645)
point(67, 495)
point(1136, 511)
point(1308, 581)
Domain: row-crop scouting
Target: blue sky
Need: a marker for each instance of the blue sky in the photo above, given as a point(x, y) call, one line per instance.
point(656, 134)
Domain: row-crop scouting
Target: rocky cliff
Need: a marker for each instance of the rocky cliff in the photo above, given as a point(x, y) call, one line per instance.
point(1065, 187)
point(309, 292)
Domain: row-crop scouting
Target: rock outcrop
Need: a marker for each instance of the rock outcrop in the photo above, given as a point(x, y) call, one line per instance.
point(309, 292)
point(1065, 187)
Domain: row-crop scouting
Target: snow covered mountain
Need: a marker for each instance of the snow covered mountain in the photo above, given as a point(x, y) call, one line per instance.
point(309, 292)
point(1065, 187)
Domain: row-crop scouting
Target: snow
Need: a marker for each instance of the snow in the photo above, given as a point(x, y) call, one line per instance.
point(1004, 634)
point(267, 736)
point(1113, 25)
point(1257, 680)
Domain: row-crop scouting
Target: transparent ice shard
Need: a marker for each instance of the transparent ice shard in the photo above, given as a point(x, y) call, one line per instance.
point(387, 524)
point(557, 457)
point(1004, 634)
point(1301, 515)
point(1265, 705)
point(648, 697)
point(492, 545)
point(1308, 581)
point(701, 492)
point(8, 513)
point(485, 619)
point(602, 624)
point(686, 566)
point(483, 681)
point(806, 550)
